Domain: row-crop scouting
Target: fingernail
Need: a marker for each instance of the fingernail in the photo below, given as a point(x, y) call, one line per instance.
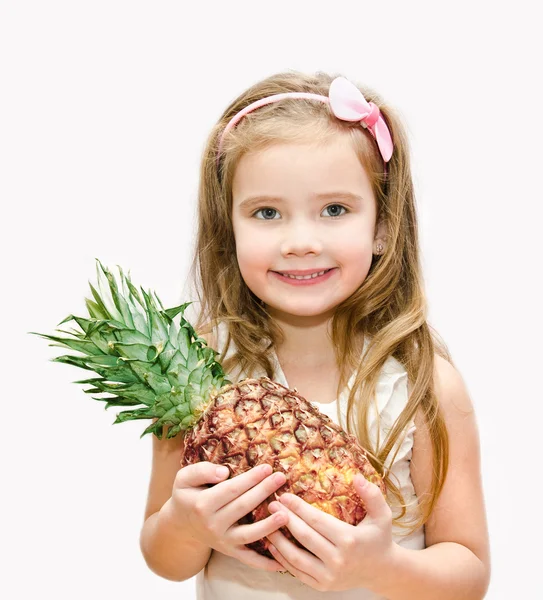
point(222, 472)
point(361, 480)
point(279, 478)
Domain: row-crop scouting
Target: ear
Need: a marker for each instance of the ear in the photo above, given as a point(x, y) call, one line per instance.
point(381, 234)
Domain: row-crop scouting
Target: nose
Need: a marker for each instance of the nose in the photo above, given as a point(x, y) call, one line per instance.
point(301, 239)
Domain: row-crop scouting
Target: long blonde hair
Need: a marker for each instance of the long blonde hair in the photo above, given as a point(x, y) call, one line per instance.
point(389, 308)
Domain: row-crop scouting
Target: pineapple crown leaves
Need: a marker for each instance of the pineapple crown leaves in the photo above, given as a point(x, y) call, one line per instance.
point(141, 355)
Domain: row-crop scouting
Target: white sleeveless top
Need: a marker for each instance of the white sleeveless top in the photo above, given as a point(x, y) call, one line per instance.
point(226, 578)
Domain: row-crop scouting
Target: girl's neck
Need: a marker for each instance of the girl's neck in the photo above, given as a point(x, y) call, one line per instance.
point(308, 346)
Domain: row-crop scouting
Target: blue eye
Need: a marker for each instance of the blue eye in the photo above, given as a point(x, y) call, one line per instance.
point(337, 206)
point(272, 210)
point(265, 210)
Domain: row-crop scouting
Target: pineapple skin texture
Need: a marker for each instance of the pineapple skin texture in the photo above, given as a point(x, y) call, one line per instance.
point(259, 421)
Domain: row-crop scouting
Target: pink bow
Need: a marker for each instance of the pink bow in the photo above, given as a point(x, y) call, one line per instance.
point(348, 103)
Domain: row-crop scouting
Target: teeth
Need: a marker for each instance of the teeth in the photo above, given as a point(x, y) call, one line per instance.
point(305, 276)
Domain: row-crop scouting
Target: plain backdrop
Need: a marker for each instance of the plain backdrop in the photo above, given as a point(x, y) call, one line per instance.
point(105, 107)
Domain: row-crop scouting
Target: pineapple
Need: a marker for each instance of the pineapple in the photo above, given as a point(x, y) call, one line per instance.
point(143, 358)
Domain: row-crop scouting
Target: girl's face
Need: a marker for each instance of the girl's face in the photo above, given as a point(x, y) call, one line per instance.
point(303, 207)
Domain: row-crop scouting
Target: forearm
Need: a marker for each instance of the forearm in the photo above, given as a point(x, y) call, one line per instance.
point(448, 571)
point(169, 552)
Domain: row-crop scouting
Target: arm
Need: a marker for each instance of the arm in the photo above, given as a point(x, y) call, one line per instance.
point(168, 551)
point(446, 570)
point(456, 563)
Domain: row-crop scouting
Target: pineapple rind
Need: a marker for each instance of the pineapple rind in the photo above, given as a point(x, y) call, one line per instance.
point(259, 421)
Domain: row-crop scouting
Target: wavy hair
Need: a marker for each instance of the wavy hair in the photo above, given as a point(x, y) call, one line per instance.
point(388, 309)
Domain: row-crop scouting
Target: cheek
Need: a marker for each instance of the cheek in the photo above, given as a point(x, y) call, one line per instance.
point(354, 250)
point(252, 257)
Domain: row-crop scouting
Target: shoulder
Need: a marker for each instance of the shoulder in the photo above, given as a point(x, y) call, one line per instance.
point(210, 335)
point(451, 388)
point(451, 391)
point(459, 514)
point(210, 338)
point(455, 405)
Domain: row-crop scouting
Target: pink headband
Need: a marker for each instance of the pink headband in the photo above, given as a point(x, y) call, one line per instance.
point(347, 103)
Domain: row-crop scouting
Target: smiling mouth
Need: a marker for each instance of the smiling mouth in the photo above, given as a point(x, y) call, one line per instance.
point(312, 276)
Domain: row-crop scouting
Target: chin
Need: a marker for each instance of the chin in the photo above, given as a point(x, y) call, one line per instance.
point(300, 311)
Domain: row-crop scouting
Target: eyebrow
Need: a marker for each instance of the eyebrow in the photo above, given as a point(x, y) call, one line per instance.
point(252, 201)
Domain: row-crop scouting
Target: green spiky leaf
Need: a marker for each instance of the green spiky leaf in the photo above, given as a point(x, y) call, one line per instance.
point(144, 359)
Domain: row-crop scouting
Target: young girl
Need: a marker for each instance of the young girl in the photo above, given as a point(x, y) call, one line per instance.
point(308, 267)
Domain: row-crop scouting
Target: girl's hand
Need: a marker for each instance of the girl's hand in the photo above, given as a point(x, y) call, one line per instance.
point(344, 556)
point(210, 514)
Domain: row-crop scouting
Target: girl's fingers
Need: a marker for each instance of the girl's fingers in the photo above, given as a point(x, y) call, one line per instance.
point(257, 561)
point(241, 506)
point(246, 534)
point(308, 537)
point(231, 489)
point(197, 475)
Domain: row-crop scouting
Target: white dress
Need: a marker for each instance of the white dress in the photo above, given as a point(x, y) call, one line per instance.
point(226, 578)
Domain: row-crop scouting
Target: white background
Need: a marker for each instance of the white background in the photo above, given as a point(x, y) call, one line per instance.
point(105, 107)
